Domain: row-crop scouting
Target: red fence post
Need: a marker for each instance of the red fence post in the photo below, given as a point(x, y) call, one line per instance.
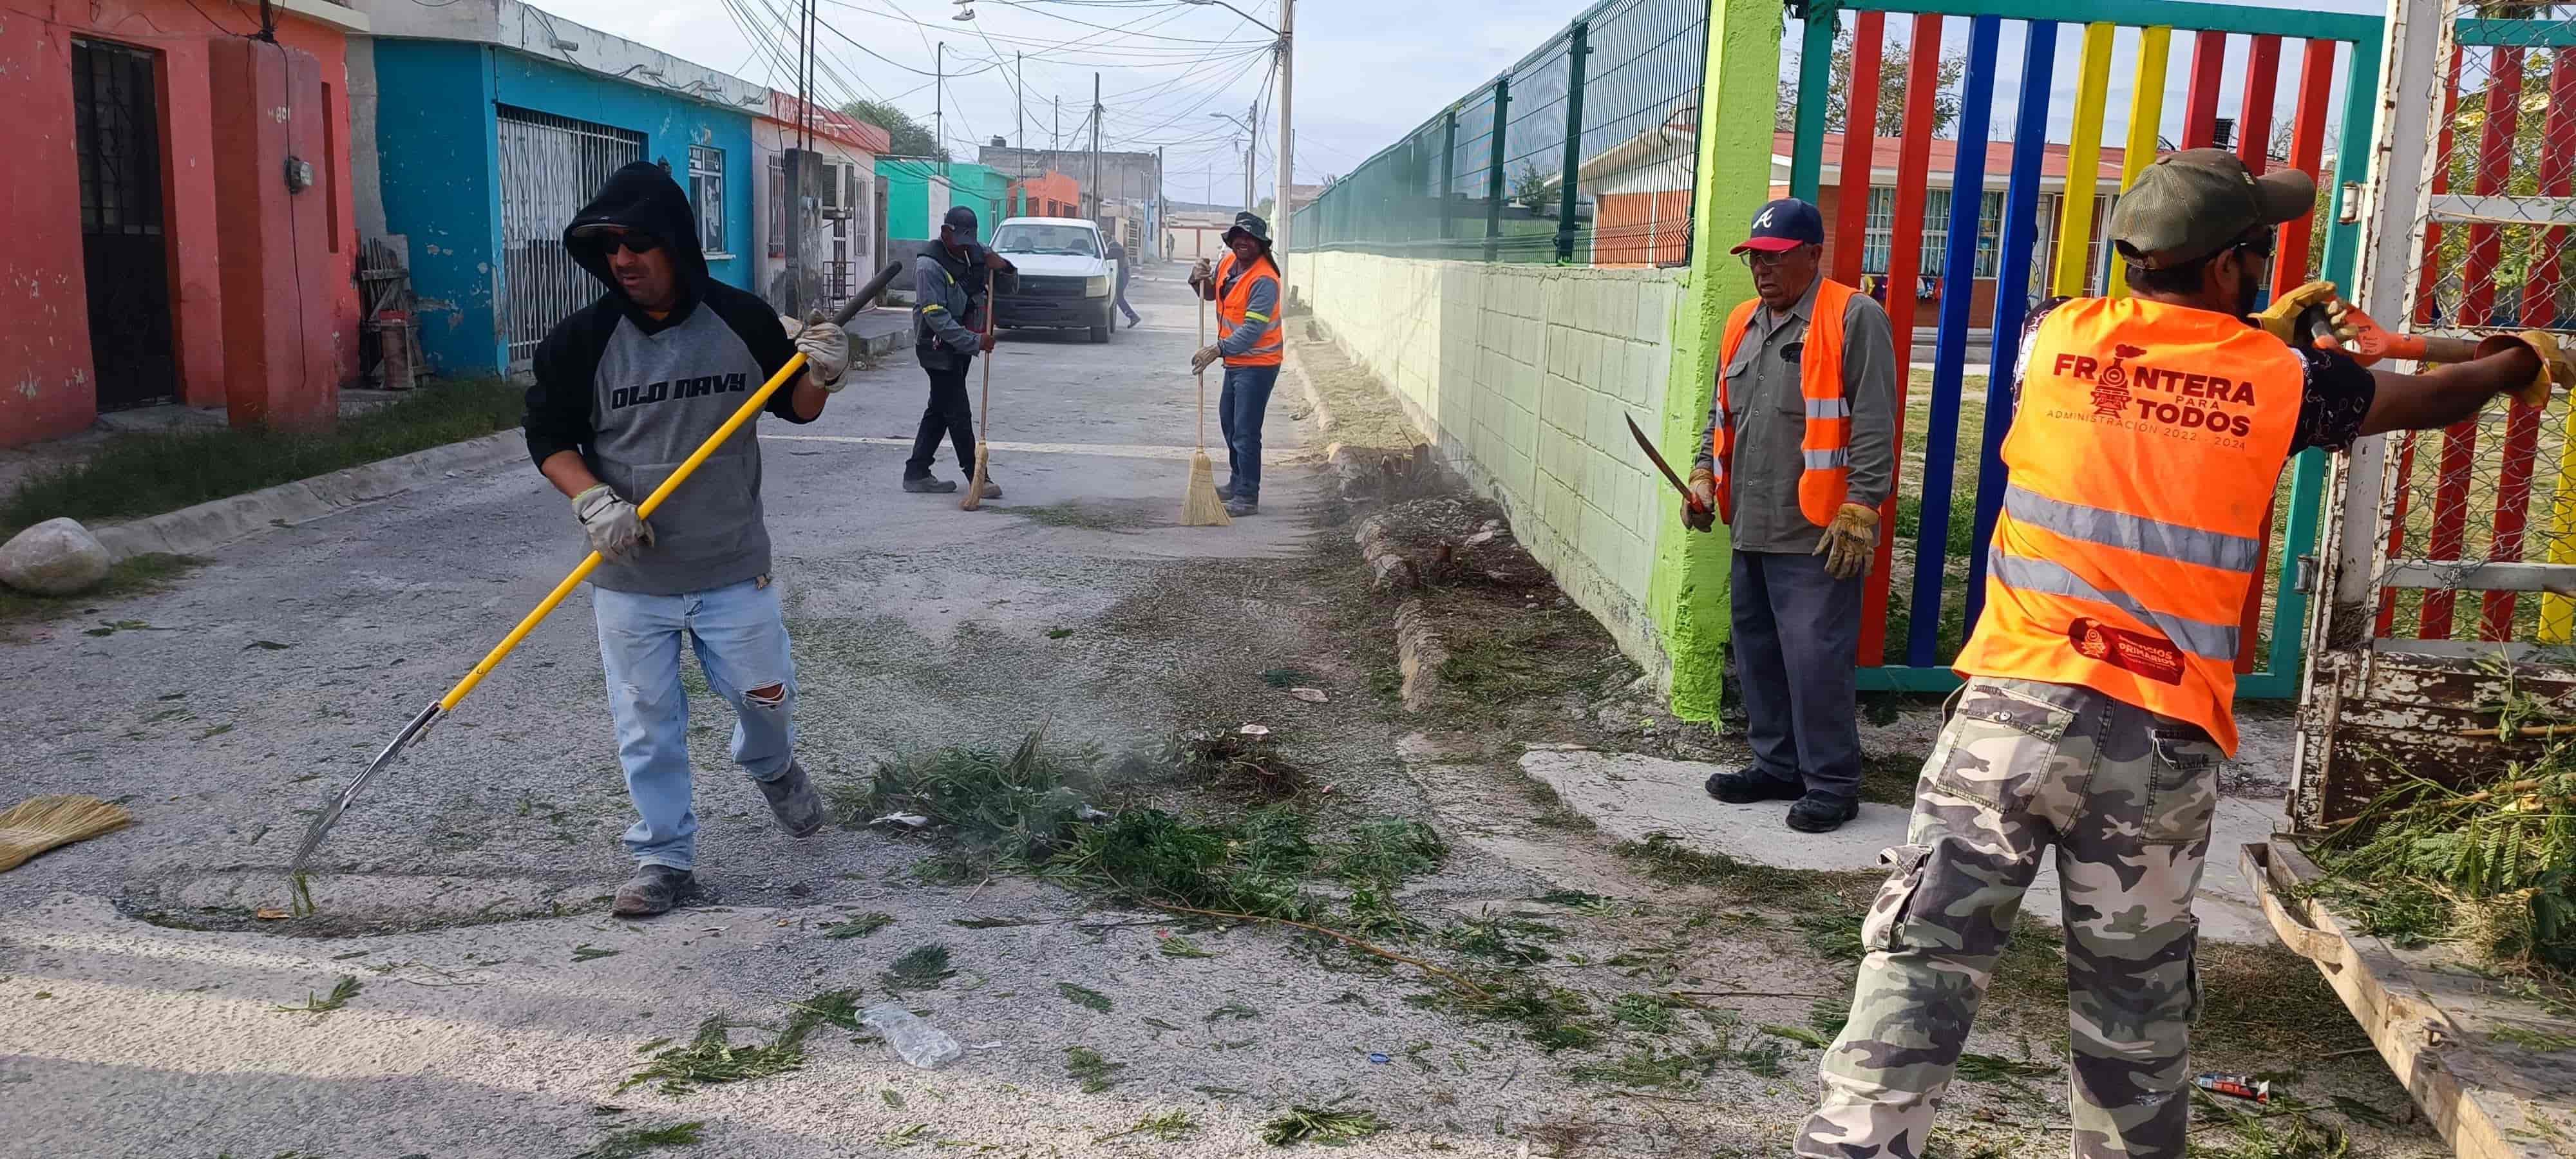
point(1860, 142)
point(2200, 104)
point(1904, 263)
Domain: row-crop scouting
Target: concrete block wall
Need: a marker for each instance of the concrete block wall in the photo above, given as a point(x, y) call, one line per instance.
point(1525, 376)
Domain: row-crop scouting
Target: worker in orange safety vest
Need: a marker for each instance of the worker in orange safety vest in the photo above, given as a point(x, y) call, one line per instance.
point(1799, 451)
point(2148, 436)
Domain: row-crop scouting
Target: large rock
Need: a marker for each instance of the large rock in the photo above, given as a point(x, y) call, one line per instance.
point(57, 557)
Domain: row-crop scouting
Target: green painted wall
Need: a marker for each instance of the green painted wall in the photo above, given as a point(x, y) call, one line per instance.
point(1688, 594)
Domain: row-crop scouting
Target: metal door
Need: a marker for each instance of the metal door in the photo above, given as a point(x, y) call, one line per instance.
point(550, 167)
point(2450, 556)
point(1926, 590)
point(125, 255)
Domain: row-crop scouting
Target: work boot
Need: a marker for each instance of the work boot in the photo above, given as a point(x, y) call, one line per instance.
point(793, 801)
point(1238, 508)
point(1225, 490)
point(1822, 812)
point(1131, 322)
point(992, 490)
point(1750, 784)
point(654, 889)
point(926, 485)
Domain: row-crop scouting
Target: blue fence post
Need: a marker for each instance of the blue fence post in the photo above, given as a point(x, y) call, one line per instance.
point(1950, 343)
point(2012, 292)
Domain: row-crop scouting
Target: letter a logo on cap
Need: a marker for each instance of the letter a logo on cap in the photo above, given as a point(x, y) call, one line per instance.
point(1764, 221)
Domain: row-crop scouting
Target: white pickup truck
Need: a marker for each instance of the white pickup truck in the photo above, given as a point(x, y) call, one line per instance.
point(1064, 282)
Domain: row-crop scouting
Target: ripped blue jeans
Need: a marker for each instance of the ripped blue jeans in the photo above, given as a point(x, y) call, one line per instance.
point(740, 636)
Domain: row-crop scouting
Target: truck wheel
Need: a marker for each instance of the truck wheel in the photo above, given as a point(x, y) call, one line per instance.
point(1100, 333)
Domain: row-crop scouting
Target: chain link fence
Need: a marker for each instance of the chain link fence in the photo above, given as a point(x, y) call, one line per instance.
point(2500, 488)
point(1609, 108)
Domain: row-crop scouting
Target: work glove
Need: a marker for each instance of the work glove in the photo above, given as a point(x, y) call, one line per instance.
point(1201, 271)
point(1849, 541)
point(826, 348)
point(1701, 513)
point(2280, 319)
point(1207, 354)
point(614, 528)
point(2555, 366)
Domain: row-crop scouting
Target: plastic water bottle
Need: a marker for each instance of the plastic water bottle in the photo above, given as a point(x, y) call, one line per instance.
point(920, 1043)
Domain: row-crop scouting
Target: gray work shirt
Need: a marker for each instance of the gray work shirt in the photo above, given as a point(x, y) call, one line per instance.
point(1771, 420)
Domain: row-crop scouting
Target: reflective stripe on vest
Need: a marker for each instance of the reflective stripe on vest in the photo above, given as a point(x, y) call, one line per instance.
point(1234, 307)
point(1825, 448)
point(2145, 449)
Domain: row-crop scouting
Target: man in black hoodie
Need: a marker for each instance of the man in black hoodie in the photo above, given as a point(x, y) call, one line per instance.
point(625, 390)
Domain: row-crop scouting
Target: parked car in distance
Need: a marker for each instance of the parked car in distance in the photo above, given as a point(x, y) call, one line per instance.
point(1063, 283)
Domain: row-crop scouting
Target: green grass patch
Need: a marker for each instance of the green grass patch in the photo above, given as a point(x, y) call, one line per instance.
point(1386, 851)
point(135, 475)
point(1003, 805)
point(135, 576)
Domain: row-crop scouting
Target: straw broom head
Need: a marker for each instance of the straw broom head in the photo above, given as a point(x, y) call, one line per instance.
point(1203, 508)
point(975, 487)
point(32, 827)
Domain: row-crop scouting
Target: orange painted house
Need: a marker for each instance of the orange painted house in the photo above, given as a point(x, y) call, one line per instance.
point(1049, 194)
point(180, 210)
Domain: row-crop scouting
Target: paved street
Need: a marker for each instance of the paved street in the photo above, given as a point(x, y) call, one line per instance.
point(224, 711)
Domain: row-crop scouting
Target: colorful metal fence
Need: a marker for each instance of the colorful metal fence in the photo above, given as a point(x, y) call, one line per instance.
point(1908, 639)
point(2493, 259)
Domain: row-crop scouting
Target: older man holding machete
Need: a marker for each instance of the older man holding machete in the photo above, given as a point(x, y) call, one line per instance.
point(1799, 452)
point(625, 390)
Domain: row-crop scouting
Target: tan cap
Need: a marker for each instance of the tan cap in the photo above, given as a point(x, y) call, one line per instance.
point(2191, 204)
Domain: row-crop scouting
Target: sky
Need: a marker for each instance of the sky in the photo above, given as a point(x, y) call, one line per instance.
point(1361, 79)
point(1367, 71)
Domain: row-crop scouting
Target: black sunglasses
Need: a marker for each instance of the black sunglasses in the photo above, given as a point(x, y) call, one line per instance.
point(635, 241)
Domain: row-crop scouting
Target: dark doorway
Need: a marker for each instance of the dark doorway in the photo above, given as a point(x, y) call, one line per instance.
point(116, 104)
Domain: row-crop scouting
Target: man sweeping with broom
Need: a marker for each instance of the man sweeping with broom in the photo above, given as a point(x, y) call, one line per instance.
point(625, 390)
point(951, 293)
point(1245, 287)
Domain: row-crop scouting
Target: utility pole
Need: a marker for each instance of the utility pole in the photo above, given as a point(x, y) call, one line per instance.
point(939, 107)
point(1280, 211)
point(792, 171)
point(1251, 148)
point(1097, 209)
point(1020, 103)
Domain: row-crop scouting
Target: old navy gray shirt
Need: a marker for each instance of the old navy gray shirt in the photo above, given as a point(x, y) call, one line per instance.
point(659, 396)
point(1771, 420)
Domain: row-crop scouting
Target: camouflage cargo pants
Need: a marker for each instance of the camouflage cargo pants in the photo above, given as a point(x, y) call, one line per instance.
point(2126, 797)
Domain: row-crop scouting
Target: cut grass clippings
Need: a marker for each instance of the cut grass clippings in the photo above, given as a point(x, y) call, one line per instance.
point(1168, 1127)
point(131, 576)
point(1002, 806)
point(134, 475)
point(925, 968)
point(709, 1058)
point(346, 989)
point(859, 926)
point(1086, 1066)
point(1084, 996)
point(1321, 1125)
point(630, 1144)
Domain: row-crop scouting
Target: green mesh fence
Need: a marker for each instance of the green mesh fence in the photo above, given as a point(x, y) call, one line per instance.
point(1486, 179)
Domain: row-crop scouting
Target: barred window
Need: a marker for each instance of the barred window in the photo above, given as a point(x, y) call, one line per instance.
point(1936, 233)
point(1990, 232)
point(706, 191)
point(1879, 240)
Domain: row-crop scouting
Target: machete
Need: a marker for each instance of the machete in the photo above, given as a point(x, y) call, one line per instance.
point(440, 707)
point(1648, 445)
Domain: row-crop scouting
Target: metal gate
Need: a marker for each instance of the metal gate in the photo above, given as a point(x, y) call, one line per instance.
point(125, 256)
point(550, 167)
point(1931, 247)
point(2451, 555)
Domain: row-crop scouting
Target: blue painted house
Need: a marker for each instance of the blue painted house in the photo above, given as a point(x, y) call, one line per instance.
point(495, 121)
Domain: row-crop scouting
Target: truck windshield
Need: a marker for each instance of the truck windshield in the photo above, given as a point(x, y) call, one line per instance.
point(1026, 238)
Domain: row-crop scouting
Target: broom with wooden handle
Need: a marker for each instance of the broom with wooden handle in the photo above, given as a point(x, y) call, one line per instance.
point(1203, 508)
point(984, 424)
point(439, 708)
point(34, 826)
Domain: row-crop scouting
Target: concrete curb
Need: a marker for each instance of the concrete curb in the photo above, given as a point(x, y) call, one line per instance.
point(1418, 649)
point(206, 526)
point(1339, 461)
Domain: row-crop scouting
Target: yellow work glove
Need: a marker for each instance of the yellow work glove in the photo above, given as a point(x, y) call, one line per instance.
point(2281, 318)
point(1700, 514)
point(1849, 541)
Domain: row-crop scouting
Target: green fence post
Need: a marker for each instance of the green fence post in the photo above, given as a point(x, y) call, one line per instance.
point(1565, 199)
point(1448, 168)
point(1815, 69)
point(1687, 592)
point(1494, 165)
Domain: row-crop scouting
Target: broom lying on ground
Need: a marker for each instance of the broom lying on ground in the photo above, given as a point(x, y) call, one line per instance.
point(1203, 508)
point(32, 827)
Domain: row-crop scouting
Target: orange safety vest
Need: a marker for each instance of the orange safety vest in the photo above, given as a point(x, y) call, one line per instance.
point(1233, 307)
point(1826, 481)
point(2143, 455)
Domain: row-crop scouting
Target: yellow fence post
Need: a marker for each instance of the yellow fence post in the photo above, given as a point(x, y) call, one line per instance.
point(2083, 165)
point(2146, 107)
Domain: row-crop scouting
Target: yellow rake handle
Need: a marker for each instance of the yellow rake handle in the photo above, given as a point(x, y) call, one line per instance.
point(742, 414)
